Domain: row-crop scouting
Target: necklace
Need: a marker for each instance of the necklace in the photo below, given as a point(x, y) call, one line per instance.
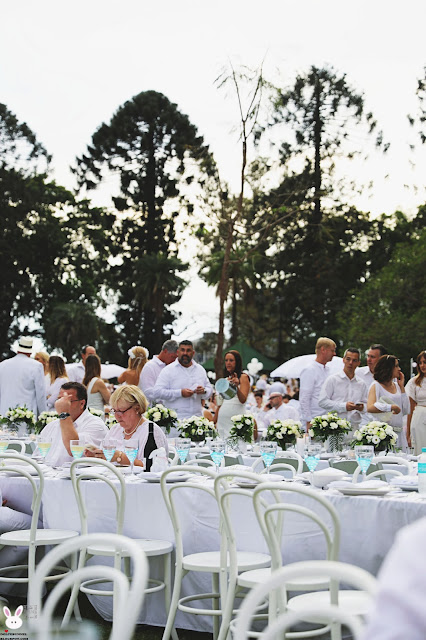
point(130, 433)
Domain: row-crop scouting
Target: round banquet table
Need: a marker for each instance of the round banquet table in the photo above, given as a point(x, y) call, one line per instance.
point(368, 528)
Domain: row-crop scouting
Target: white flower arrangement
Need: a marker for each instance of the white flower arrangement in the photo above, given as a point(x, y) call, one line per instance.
point(162, 416)
point(284, 432)
point(197, 428)
point(322, 427)
point(110, 420)
point(18, 415)
point(242, 428)
point(376, 433)
point(96, 412)
point(43, 419)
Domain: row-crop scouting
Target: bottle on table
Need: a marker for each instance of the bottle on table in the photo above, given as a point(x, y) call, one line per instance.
point(421, 470)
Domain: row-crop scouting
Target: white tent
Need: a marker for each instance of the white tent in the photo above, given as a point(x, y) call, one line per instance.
point(294, 367)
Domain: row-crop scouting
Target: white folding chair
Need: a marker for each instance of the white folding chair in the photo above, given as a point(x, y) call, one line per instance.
point(294, 461)
point(333, 613)
point(128, 594)
point(18, 445)
point(315, 508)
point(214, 562)
point(151, 548)
point(32, 538)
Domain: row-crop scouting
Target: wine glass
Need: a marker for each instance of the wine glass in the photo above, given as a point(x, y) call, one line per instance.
point(312, 457)
point(108, 447)
point(364, 455)
point(183, 446)
point(131, 448)
point(43, 444)
point(268, 450)
point(77, 449)
point(217, 452)
point(4, 442)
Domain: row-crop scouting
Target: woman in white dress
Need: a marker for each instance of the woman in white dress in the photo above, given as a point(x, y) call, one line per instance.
point(57, 377)
point(387, 396)
point(97, 393)
point(416, 391)
point(233, 371)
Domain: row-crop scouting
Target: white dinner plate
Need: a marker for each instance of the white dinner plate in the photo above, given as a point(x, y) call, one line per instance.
point(154, 477)
point(358, 491)
point(28, 468)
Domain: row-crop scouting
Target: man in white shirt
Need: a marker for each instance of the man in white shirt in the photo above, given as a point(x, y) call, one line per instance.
point(22, 380)
point(312, 378)
point(279, 410)
point(399, 611)
point(183, 384)
point(76, 371)
point(153, 368)
point(366, 374)
point(75, 422)
point(343, 392)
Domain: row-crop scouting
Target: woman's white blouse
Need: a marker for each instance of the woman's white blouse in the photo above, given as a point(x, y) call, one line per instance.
point(416, 393)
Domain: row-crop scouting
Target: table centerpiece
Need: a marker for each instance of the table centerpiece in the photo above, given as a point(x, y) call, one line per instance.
point(14, 420)
point(379, 434)
point(162, 416)
point(329, 427)
point(197, 428)
point(284, 432)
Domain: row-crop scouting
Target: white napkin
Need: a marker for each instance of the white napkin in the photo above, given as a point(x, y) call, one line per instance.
point(371, 484)
point(330, 471)
point(340, 484)
point(160, 460)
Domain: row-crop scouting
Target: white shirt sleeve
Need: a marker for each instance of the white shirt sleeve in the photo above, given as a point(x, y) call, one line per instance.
point(147, 380)
point(325, 398)
point(40, 389)
point(307, 379)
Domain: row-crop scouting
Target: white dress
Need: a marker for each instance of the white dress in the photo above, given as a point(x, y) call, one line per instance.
point(393, 419)
point(94, 400)
point(418, 420)
point(229, 408)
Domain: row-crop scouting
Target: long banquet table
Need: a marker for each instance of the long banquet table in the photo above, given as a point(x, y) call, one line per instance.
point(368, 528)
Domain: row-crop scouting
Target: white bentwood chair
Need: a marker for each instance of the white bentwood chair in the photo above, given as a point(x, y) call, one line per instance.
point(34, 537)
point(128, 594)
point(214, 562)
point(151, 548)
point(332, 613)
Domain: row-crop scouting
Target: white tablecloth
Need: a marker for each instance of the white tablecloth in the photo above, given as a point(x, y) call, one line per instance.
point(368, 528)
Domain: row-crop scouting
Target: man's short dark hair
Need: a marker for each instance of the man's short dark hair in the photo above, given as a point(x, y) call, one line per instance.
point(170, 346)
point(80, 389)
point(186, 343)
point(381, 348)
point(353, 350)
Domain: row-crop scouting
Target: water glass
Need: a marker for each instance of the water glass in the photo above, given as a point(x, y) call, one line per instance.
point(268, 450)
point(217, 452)
point(131, 448)
point(43, 444)
point(312, 457)
point(364, 455)
point(77, 449)
point(183, 446)
point(109, 445)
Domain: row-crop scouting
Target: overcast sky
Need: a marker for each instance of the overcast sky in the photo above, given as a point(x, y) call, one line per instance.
point(67, 66)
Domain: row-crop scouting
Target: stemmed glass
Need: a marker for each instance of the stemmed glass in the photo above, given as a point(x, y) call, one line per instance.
point(364, 455)
point(312, 458)
point(217, 452)
point(43, 444)
point(268, 450)
point(108, 447)
point(77, 449)
point(4, 442)
point(183, 446)
point(131, 448)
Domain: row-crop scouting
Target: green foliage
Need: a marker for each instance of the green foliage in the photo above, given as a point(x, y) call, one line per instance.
point(390, 308)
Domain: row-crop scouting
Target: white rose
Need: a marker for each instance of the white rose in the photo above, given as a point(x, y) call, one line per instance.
point(279, 435)
point(375, 439)
point(173, 414)
point(333, 425)
point(156, 416)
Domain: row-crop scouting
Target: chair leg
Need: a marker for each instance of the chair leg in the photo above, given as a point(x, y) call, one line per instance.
point(174, 604)
point(215, 605)
point(73, 601)
point(227, 608)
point(167, 585)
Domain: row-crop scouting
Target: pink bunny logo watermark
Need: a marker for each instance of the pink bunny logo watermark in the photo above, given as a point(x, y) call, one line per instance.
point(13, 622)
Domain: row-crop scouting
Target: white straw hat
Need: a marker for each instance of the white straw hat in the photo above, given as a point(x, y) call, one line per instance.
point(25, 345)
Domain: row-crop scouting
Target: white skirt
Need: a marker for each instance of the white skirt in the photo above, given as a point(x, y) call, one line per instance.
point(418, 429)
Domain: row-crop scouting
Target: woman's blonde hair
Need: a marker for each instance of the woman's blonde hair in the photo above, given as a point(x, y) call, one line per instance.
point(57, 368)
point(44, 357)
point(129, 393)
point(139, 359)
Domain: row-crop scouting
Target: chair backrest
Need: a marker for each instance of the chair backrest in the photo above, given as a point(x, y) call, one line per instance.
point(17, 445)
point(395, 460)
point(171, 490)
point(294, 460)
point(200, 462)
point(279, 466)
point(350, 466)
point(80, 472)
point(37, 487)
point(173, 457)
point(311, 505)
point(375, 474)
point(336, 571)
point(129, 594)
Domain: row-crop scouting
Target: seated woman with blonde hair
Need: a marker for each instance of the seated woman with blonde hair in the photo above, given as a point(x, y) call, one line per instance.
point(138, 357)
point(97, 392)
point(129, 404)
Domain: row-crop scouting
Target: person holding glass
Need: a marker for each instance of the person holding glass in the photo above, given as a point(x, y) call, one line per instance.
point(233, 371)
point(387, 396)
point(416, 421)
point(129, 404)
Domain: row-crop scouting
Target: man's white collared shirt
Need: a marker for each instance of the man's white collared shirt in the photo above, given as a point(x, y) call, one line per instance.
point(311, 380)
point(339, 389)
point(173, 379)
point(283, 412)
point(149, 376)
point(90, 429)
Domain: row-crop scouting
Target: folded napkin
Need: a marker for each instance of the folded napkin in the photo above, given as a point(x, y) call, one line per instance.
point(371, 484)
point(330, 471)
point(340, 484)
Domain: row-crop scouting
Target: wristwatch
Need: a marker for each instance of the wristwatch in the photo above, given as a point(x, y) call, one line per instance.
point(63, 415)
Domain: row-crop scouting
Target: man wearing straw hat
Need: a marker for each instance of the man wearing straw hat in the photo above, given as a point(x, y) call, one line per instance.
point(22, 380)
